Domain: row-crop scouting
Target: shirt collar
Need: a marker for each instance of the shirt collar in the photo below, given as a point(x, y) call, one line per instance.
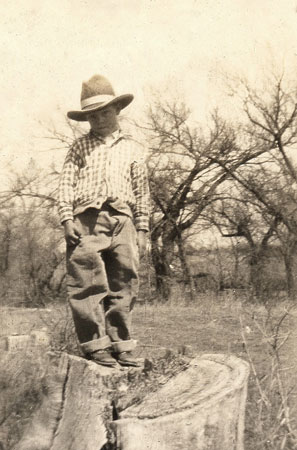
point(110, 139)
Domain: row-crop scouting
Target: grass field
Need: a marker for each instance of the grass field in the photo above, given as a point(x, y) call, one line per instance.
point(224, 324)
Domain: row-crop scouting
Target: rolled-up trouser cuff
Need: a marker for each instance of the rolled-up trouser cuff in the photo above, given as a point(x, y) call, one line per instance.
point(124, 346)
point(96, 344)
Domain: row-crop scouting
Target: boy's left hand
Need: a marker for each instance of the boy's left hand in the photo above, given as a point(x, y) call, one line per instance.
point(142, 240)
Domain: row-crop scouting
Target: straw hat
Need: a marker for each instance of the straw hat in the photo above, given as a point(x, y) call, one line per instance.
point(97, 93)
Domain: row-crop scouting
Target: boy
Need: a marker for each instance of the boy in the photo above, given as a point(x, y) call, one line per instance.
point(103, 186)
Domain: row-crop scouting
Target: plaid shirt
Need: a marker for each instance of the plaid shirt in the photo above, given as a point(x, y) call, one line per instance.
point(111, 170)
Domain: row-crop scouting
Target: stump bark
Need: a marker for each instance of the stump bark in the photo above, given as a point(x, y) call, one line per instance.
point(201, 408)
point(76, 407)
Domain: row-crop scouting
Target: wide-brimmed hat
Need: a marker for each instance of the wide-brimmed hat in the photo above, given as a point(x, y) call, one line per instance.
point(96, 93)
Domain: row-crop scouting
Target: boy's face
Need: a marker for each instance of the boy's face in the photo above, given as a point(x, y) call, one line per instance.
point(104, 121)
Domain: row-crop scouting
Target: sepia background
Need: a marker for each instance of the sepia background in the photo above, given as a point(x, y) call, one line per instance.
point(215, 104)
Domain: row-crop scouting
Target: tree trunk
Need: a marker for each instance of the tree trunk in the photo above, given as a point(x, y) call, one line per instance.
point(162, 271)
point(6, 249)
point(187, 276)
point(289, 266)
point(202, 408)
point(235, 253)
point(257, 278)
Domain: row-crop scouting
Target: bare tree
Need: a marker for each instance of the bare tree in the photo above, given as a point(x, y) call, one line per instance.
point(239, 215)
point(270, 125)
point(187, 166)
point(30, 233)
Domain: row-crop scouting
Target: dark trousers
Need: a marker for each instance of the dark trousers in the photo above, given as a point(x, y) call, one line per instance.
point(102, 280)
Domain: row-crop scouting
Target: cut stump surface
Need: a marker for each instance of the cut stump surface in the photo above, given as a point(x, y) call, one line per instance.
point(201, 408)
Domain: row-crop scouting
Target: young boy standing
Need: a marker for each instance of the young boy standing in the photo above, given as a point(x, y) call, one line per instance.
point(104, 208)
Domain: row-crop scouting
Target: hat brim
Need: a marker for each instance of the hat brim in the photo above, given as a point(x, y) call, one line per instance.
point(81, 116)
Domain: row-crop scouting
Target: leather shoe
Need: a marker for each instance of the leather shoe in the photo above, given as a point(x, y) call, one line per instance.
point(127, 359)
point(102, 357)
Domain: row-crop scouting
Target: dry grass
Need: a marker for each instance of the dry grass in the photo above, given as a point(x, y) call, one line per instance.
point(22, 387)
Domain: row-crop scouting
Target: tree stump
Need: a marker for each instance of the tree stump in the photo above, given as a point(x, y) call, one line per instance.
point(202, 408)
point(18, 342)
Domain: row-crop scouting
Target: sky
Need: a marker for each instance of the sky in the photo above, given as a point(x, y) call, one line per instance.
point(48, 48)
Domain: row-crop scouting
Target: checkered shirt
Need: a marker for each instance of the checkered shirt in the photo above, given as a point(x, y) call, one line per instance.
point(97, 170)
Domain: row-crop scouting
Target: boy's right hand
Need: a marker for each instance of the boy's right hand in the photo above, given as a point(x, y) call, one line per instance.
point(72, 234)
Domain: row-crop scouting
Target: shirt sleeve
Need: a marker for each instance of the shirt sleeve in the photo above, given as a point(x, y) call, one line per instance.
point(67, 184)
point(140, 186)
